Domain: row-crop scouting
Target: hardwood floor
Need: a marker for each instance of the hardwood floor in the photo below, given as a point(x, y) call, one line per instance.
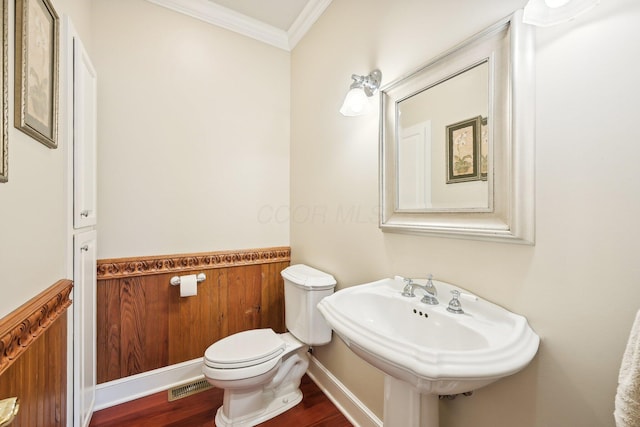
point(315, 410)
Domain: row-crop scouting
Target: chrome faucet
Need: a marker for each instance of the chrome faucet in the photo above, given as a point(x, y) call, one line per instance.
point(430, 291)
point(454, 304)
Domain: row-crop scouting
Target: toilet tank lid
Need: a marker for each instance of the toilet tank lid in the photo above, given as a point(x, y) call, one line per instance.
point(308, 277)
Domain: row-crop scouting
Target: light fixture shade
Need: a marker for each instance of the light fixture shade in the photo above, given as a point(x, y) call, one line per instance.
point(544, 13)
point(356, 103)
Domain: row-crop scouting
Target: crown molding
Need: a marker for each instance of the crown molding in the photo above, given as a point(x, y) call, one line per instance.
point(303, 23)
point(223, 17)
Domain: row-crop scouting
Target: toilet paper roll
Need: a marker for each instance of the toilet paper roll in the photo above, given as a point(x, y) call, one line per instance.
point(188, 285)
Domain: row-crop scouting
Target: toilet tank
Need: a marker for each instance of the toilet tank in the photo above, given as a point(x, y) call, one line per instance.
point(304, 287)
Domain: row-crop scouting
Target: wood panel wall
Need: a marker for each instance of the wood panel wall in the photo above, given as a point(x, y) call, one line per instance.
point(144, 324)
point(33, 357)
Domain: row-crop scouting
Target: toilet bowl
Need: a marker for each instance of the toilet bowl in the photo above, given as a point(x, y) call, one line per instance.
point(260, 370)
point(260, 373)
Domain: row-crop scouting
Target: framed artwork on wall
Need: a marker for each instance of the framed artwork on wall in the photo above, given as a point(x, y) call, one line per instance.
point(36, 70)
point(4, 142)
point(463, 156)
point(484, 148)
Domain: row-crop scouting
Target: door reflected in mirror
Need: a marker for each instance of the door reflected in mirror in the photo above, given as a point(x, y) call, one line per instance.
point(443, 144)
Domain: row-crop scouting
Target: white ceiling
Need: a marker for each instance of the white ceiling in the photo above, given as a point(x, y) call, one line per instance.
point(281, 23)
point(278, 13)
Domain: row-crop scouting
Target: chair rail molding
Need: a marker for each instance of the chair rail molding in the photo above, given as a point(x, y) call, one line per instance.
point(21, 327)
point(143, 266)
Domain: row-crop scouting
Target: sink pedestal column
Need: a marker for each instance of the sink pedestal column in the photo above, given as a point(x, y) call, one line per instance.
point(405, 406)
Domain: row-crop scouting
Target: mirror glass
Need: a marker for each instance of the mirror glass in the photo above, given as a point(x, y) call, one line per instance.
point(457, 138)
point(443, 144)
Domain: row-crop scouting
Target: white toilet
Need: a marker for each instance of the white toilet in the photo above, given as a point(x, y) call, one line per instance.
point(260, 370)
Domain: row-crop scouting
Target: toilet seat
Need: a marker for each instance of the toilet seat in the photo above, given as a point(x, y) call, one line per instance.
point(244, 349)
point(244, 354)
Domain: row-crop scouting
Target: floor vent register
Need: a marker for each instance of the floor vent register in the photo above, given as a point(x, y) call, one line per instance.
point(188, 389)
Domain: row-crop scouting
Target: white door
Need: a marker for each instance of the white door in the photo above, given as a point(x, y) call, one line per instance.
point(81, 108)
point(84, 137)
point(414, 166)
point(84, 333)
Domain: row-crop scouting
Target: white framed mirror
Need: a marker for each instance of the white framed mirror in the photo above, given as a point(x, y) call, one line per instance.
point(457, 140)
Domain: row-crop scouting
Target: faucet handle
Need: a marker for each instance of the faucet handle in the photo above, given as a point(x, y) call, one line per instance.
point(430, 285)
point(408, 288)
point(454, 304)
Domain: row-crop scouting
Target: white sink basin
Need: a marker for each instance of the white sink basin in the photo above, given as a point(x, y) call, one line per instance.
point(435, 351)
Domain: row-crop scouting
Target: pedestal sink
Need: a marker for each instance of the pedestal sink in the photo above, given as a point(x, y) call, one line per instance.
point(425, 349)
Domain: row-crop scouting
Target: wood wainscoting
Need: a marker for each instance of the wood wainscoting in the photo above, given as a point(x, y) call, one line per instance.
point(33, 357)
point(144, 324)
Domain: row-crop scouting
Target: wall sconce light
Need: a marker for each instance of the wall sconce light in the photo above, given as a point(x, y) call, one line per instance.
point(356, 103)
point(545, 13)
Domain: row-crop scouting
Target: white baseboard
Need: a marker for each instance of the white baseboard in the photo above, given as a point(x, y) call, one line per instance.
point(136, 386)
point(352, 408)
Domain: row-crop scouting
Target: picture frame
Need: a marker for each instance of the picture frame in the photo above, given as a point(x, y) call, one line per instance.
point(484, 148)
point(463, 150)
point(4, 139)
point(36, 70)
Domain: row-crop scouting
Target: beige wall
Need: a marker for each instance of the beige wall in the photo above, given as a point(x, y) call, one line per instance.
point(578, 285)
point(33, 203)
point(194, 155)
point(193, 134)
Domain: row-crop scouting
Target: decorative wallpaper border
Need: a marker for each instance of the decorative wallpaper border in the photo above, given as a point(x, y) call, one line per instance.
point(116, 268)
point(21, 327)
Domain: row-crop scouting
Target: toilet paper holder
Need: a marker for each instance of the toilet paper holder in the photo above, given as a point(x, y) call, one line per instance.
point(175, 280)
